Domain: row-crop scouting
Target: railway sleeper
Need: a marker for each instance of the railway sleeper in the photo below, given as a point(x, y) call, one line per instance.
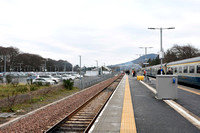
point(92, 113)
point(73, 129)
point(80, 119)
point(83, 117)
point(74, 122)
point(75, 125)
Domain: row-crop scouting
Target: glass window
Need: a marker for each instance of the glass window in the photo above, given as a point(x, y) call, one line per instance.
point(185, 69)
point(180, 69)
point(175, 69)
point(191, 69)
point(198, 68)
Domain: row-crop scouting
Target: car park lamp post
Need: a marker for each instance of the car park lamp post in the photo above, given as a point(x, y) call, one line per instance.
point(20, 66)
point(97, 63)
point(4, 75)
point(161, 55)
point(80, 73)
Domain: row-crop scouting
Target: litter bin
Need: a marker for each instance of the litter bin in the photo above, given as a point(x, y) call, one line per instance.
point(166, 87)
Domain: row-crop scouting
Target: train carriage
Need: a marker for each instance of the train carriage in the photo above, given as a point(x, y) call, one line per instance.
point(188, 70)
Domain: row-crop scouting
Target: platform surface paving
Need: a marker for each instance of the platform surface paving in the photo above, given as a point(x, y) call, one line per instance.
point(110, 119)
point(149, 115)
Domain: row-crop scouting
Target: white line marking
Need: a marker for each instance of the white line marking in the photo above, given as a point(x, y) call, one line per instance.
point(183, 112)
point(149, 87)
point(177, 107)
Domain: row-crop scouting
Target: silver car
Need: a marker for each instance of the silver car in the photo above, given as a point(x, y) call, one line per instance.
point(43, 81)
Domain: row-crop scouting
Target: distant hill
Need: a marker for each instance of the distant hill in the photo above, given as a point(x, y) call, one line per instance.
point(135, 63)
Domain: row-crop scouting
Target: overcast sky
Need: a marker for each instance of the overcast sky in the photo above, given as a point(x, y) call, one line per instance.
point(109, 31)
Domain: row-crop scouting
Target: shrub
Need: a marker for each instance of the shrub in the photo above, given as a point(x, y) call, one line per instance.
point(11, 93)
point(15, 82)
point(68, 84)
point(8, 79)
point(22, 89)
point(1, 79)
point(39, 83)
point(11, 98)
point(33, 88)
point(47, 84)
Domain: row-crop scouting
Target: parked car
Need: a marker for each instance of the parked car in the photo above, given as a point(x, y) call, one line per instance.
point(43, 81)
point(66, 77)
point(31, 78)
point(58, 77)
point(72, 77)
point(1, 74)
point(49, 77)
point(79, 76)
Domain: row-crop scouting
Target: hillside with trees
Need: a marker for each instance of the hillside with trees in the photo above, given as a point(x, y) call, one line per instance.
point(20, 61)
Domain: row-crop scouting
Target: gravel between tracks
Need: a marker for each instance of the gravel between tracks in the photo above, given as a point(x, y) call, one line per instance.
point(42, 119)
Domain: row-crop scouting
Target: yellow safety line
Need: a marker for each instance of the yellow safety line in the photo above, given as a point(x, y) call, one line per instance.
point(198, 93)
point(128, 119)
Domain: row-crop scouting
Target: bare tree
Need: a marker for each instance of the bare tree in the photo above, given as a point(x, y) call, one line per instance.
point(178, 52)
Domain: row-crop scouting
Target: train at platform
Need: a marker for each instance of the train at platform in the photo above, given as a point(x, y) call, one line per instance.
point(187, 70)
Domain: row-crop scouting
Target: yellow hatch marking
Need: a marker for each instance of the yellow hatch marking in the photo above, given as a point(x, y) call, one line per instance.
point(198, 93)
point(128, 119)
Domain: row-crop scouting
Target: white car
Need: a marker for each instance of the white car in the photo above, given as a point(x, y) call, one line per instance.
point(57, 77)
point(49, 77)
point(66, 77)
point(79, 76)
point(72, 77)
point(43, 81)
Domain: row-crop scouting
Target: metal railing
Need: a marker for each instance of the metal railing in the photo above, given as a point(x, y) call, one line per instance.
point(92, 80)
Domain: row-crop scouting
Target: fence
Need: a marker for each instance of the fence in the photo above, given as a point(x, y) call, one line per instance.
point(92, 80)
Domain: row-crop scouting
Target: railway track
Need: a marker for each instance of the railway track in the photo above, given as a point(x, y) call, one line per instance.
point(83, 117)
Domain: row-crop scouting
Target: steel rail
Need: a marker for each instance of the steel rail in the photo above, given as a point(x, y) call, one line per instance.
point(58, 124)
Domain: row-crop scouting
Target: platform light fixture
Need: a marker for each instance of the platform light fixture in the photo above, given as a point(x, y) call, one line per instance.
point(161, 55)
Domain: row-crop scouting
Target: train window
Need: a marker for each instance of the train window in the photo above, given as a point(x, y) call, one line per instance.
point(180, 69)
point(185, 69)
point(198, 68)
point(191, 69)
point(175, 69)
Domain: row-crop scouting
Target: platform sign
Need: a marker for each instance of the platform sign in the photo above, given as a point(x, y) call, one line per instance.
point(161, 55)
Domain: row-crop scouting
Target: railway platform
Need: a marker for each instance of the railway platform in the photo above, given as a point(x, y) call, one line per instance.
point(134, 108)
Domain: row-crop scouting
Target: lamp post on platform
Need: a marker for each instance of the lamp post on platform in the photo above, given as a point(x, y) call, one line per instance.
point(161, 54)
point(145, 62)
